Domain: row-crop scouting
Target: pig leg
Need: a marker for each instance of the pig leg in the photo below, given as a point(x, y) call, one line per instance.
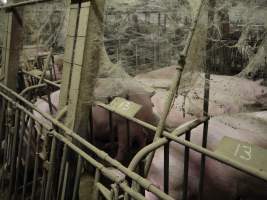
point(122, 142)
point(140, 136)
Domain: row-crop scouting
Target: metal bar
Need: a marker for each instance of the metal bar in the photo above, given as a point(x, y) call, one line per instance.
point(132, 193)
point(62, 169)
point(141, 181)
point(91, 120)
point(174, 87)
point(64, 182)
point(18, 167)
point(25, 110)
point(36, 166)
point(49, 102)
point(61, 113)
point(205, 133)
point(24, 3)
point(146, 150)
point(128, 129)
point(166, 167)
point(132, 119)
point(77, 178)
point(14, 154)
point(44, 179)
point(114, 193)
point(23, 92)
point(142, 172)
point(51, 169)
point(104, 191)
point(112, 139)
point(45, 66)
point(105, 157)
point(96, 180)
point(45, 80)
point(221, 158)
point(2, 118)
point(27, 159)
point(186, 166)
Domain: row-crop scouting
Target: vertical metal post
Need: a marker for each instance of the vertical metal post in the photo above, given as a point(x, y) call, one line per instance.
point(77, 178)
point(62, 169)
point(63, 191)
point(158, 41)
point(205, 135)
point(44, 179)
point(24, 120)
point(142, 173)
point(97, 178)
point(166, 167)
point(50, 170)
point(36, 168)
point(186, 166)
point(112, 134)
point(14, 45)
point(14, 154)
point(209, 45)
point(25, 178)
point(128, 128)
point(91, 123)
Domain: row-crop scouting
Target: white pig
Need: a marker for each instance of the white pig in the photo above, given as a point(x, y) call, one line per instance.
point(221, 182)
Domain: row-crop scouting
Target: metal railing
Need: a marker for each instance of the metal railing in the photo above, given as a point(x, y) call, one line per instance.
point(19, 130)
point(36, 153)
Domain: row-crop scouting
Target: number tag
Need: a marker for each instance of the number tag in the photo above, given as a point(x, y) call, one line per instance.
point(125, 107)
point(243, 152)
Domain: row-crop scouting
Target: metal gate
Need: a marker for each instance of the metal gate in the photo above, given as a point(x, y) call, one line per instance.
point(36, 158)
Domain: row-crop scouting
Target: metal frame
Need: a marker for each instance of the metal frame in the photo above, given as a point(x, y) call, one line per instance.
point(20, 124)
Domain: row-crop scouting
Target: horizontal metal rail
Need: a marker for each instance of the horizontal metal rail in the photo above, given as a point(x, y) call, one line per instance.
point(223, 159)
point(161, 141)
point(140, 180)
point(104, 156)
point(23, 3)
point(45, 80)
point(26, 90)
point(104, 170)
point(101, 154)
point(133, 119)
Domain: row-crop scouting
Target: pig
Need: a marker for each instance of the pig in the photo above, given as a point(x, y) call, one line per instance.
point(221, 181)
point(228, 94)
point(101, 129)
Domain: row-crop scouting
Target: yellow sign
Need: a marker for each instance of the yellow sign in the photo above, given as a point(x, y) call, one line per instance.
point(243, 152)
point(125, 107)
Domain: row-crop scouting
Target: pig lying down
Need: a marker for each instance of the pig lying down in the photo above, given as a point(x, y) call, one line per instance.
point(221, 181)
point(228, 94)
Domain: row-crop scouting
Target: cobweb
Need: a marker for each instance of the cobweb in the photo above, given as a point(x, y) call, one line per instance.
point(143, 41)
point(134, 31)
